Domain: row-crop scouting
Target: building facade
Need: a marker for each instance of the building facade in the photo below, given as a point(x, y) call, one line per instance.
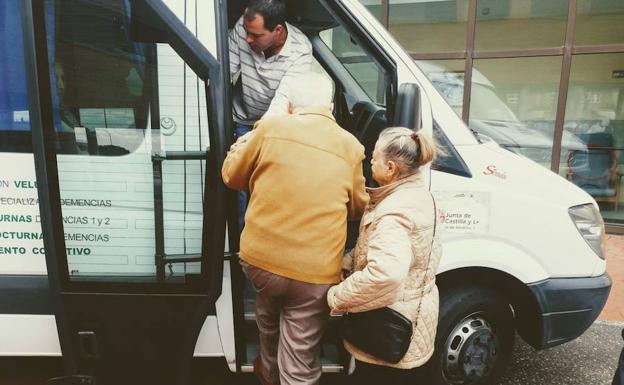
point(544, 79)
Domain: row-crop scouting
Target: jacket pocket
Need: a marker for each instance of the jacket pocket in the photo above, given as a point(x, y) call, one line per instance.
point(259, 278)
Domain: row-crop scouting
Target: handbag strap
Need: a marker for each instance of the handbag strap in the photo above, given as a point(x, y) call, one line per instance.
point(435, 223)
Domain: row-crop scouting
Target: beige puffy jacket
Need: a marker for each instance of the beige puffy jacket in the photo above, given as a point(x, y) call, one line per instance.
point(388, 265)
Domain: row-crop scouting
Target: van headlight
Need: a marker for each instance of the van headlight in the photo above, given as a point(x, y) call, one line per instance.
point(589, 223)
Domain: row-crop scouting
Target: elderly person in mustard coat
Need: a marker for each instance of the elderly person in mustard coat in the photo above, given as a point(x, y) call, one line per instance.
point(396, 258)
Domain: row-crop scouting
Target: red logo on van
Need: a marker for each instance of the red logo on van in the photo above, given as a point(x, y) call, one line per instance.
point(491, 170)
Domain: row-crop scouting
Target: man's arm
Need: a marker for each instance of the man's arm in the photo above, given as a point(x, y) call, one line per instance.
point(241, 160)
point(233, 40)
point(279, 104)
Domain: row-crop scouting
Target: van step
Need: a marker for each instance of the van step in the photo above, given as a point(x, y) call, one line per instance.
point(327, 368)
point(332, 356)
point(251, 316)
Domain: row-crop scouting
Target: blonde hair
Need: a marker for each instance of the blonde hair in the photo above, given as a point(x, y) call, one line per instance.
point(408, 149)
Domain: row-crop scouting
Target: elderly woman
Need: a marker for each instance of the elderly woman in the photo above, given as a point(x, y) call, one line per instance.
point(396, 257)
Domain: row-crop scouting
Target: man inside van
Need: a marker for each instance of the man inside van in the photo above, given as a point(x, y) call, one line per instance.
point(304, 174)
point(267, 53)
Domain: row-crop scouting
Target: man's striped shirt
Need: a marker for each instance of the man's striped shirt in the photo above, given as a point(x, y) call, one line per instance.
point(265, 81)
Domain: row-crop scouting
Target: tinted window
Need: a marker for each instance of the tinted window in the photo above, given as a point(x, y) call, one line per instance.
point(14, 119)
point(450, 162)
point(102, 81)
point(365, 71)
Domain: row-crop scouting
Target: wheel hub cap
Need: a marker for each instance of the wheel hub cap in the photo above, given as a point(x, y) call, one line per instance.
point(471, 351)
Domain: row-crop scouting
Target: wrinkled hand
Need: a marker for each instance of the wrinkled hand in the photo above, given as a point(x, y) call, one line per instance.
point(241, 140)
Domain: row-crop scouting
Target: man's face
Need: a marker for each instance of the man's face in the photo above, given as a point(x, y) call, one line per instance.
point(258, 37)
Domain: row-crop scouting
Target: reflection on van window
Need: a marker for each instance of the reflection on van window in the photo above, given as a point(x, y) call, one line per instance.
point(101, 78)
point(14, 116)
point(365, 71)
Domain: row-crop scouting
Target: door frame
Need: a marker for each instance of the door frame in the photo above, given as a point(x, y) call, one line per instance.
point(216, 77)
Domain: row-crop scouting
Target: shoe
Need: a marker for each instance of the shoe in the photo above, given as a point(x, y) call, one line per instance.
point(257, 369)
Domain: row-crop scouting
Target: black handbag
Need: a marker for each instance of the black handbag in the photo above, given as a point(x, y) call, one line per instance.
point(384, 333)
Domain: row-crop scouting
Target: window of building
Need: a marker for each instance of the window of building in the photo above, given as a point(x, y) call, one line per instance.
point(447, 77)
point(599, 22)
point(514, 102)
point(595, 114)
point(429, 25)
point(374, 6)
point(520, 24)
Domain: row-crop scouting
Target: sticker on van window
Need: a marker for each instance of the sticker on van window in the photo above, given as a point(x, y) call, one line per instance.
point(463, 212)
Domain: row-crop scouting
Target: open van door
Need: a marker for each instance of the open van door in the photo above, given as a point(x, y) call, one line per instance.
point(131, 199)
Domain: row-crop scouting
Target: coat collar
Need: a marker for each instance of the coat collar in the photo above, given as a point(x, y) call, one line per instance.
point(377, 194)
point(287, 47)
point(317, 110)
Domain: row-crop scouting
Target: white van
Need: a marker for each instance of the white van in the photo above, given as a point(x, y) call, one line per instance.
point(112, 242)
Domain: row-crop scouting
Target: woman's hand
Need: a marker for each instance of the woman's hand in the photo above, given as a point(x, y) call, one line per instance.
point(344, 274)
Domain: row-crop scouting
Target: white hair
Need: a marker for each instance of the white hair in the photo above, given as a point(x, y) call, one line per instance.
point(310, 89)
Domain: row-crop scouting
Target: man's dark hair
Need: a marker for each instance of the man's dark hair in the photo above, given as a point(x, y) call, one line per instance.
point(273, 12)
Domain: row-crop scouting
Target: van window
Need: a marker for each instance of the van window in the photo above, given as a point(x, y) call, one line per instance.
point(366, 72)
point(14, 117)
point(101, 80)
point(451, 162)
point(142, 199)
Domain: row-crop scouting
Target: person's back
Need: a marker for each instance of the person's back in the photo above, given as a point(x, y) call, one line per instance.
point(304, 174)
point(301, 191)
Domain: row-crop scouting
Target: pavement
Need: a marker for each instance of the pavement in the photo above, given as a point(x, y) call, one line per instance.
point(614, 250)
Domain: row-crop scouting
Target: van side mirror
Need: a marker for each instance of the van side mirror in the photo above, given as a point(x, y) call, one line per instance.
point(407, 107)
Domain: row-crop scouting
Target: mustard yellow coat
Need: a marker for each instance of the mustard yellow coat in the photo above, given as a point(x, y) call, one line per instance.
point(304, 175)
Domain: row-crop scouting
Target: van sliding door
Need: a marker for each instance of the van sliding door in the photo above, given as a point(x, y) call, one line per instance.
point(128, 143)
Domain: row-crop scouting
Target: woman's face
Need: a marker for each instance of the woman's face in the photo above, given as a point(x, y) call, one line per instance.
point(384, 172)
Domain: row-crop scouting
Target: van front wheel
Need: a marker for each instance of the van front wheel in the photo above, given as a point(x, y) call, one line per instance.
point(474, 339)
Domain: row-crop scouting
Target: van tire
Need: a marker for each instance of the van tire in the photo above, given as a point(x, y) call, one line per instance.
point(474, 322)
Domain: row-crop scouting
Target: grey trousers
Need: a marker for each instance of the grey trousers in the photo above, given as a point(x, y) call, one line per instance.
point(291, 317)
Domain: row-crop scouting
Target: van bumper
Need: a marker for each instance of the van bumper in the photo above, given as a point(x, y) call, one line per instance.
point(568, 307)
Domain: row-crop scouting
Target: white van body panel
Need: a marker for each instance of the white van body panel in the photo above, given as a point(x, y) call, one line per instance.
point(27, 335)
point(225, 320)
point(505, 185)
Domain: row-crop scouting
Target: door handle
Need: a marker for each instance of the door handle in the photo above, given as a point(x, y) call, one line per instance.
point(88, 345)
